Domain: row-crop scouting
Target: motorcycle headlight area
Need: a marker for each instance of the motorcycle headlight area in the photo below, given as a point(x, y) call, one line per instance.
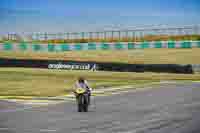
point(80, 90)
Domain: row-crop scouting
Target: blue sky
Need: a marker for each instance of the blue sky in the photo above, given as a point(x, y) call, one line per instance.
point(94, 15)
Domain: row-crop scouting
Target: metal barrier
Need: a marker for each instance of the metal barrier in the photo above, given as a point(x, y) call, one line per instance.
point(196, 68)
point(97, 46)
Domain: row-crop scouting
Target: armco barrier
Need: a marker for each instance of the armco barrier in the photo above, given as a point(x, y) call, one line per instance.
point(196, 68)
point(57, 64)
point(98, 46)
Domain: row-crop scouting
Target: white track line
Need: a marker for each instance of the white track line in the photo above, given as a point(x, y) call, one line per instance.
point(48, 130)
point(4, 129)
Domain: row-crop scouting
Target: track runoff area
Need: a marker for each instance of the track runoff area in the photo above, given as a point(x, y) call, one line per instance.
point(168, 107)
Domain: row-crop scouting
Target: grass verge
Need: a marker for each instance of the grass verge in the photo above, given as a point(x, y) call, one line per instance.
point(43, 82)
point(139, 56)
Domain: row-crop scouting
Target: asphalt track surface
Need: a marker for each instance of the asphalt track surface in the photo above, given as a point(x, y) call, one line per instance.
point(173, 108)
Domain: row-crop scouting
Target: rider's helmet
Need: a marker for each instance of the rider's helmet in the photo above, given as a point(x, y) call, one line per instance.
point(81, 80)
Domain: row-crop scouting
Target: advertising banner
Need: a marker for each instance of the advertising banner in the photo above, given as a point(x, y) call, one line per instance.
point(94, 66)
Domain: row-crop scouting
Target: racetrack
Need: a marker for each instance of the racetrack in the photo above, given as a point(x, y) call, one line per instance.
point(171, 108)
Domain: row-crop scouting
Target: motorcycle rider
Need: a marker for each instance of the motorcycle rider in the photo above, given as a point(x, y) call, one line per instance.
point(82, 83)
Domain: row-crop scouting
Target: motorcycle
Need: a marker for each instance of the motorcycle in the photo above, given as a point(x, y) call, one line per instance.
point(82, 97)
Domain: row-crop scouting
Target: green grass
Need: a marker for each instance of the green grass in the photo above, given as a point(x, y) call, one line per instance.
point(43, 82)
point(139, 56)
